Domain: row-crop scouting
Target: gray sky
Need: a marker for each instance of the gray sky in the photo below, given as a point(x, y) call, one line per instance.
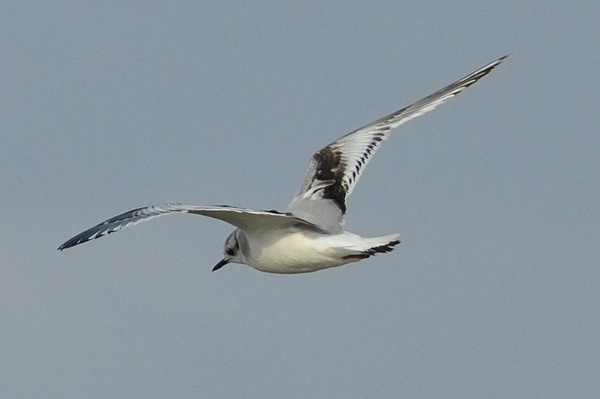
point(494, 291)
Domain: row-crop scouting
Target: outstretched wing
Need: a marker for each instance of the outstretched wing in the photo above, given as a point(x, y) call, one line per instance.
point(245, 219)
point(334, 170)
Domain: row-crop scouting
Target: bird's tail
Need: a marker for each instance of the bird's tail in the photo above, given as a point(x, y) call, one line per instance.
point(382, 244)
point(376, 245)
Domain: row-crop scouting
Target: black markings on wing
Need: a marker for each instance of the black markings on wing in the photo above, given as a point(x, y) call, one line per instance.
point(117, 223)
point(334, 170)
point(238, 217)
point(330, 168)
point(337, 168)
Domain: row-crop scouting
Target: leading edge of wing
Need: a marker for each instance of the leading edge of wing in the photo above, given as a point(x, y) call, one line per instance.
point(428, 103)
point(239, 217)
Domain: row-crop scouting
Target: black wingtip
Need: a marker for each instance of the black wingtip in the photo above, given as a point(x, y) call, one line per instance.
point(78, 239)
point(64, 246)
point(499, 60)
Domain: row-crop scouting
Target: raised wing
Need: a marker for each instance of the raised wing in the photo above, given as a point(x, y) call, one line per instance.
point(245, 219)
point(334, 170)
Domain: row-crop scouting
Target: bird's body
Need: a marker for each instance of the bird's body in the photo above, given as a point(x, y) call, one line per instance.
point(299, 250)
point(309, 236)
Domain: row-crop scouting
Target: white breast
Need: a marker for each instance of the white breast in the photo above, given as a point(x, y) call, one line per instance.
point(297, 251)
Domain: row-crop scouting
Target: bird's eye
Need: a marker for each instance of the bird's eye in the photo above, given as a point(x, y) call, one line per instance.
point(229, 252)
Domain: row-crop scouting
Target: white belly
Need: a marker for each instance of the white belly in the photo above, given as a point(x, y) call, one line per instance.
point(297, 252)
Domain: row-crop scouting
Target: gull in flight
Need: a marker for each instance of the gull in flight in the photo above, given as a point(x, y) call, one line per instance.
point(309, 235)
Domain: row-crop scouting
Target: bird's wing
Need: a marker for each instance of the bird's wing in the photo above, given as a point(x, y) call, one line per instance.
point(245, 219)
point(334, 170)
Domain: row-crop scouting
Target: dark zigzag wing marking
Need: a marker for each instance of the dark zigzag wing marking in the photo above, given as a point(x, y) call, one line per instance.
point(117, 223)
point(332, 166)
point(331, 169)
point(335, 169)
point(239, 217)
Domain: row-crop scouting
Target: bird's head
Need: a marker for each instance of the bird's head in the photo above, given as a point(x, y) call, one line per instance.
point(232, 252)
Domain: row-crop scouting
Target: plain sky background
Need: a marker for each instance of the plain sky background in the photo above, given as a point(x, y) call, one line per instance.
point(108, 106)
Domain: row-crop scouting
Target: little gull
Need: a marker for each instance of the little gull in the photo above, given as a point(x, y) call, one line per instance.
point(308, 236)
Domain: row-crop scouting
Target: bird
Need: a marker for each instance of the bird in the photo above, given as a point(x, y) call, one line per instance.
point(309, 235)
